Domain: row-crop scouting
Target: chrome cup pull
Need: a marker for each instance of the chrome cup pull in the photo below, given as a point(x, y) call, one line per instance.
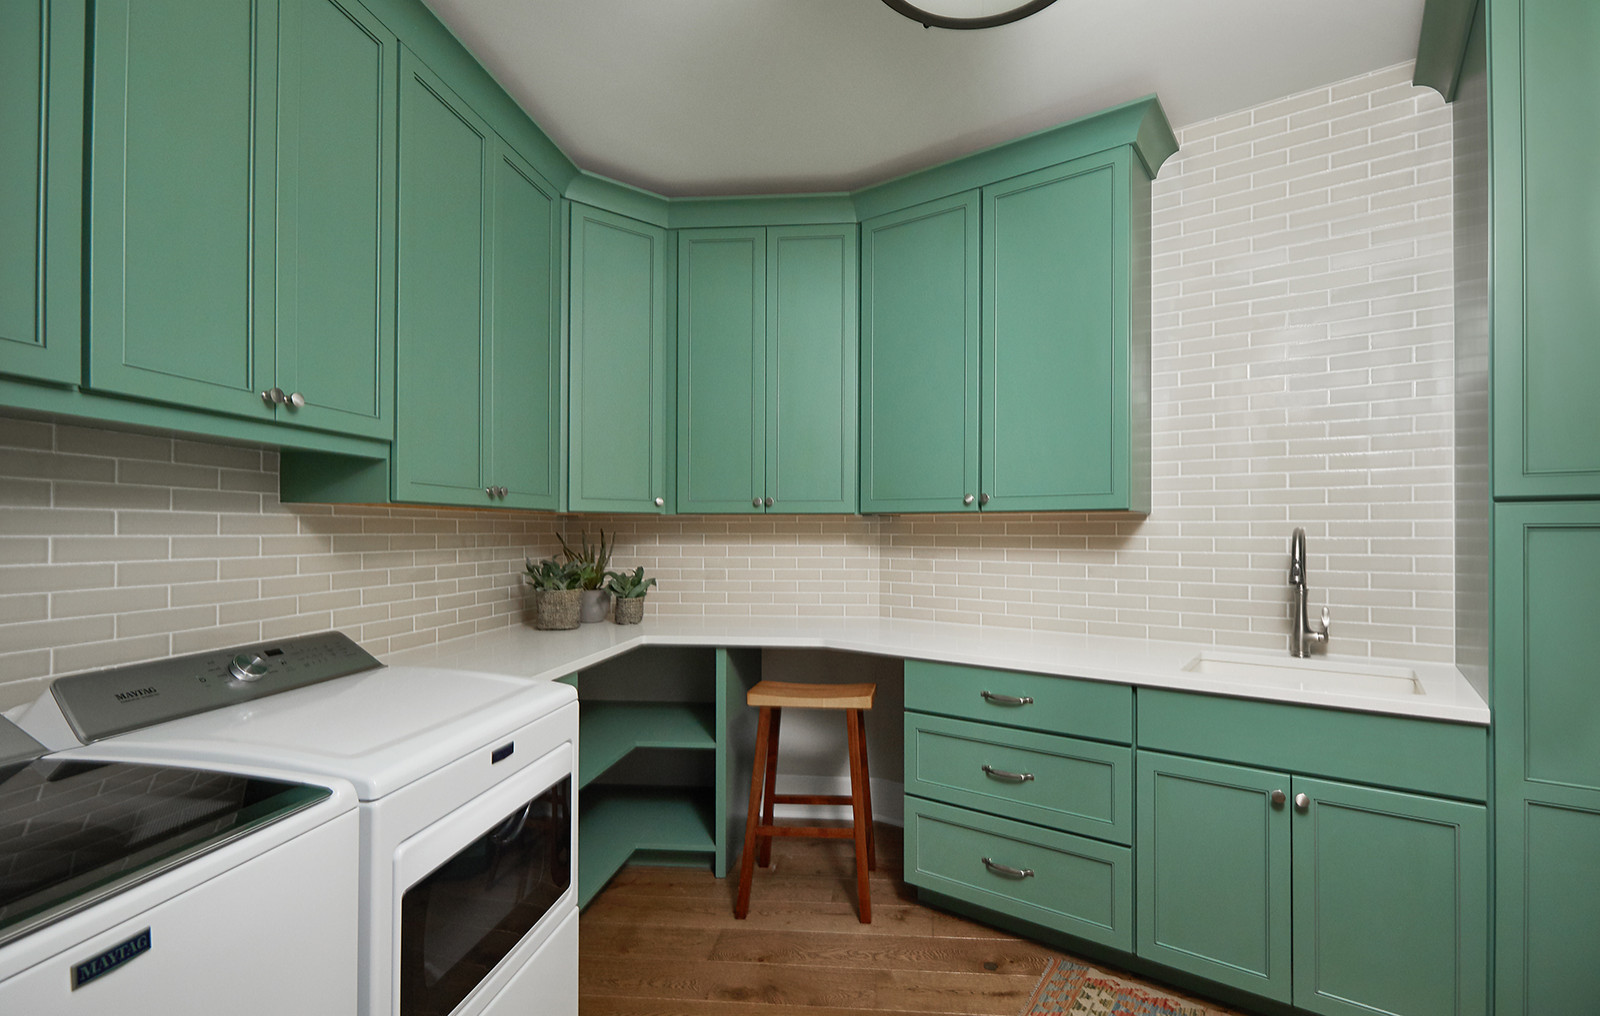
point(1005, 777)
point(1006, 700)
point(1006, 870)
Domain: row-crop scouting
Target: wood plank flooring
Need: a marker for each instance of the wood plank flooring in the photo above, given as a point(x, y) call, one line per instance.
point(663, 942)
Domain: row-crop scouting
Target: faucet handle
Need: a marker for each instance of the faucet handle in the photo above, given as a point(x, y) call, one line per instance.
point(1320, 636)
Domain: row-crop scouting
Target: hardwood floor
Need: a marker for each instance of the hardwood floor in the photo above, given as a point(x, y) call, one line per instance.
point(663, 942)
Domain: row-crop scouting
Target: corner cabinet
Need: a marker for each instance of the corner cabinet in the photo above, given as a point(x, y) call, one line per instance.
point(767, 360)
point(478, 350)
point(620, 364)
point(1024, 386)
point(41, 196)
point(239, 253)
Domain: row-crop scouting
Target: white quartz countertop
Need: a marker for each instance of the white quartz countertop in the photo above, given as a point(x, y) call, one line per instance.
point(1440, 693)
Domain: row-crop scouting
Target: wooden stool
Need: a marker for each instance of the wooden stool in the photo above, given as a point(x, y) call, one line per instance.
point(772, 697)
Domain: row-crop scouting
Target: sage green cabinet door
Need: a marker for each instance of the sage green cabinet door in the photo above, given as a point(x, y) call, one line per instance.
point(813, 395)
point(617, 454)
point(445, 153)
point(1055, 338)
point(524, 366)
point(1547, 757)
point(722, 370)
point(41, 189)
point(181, 192)
point(919, 358)
point(1546, 258)
point(337, 112)
point(1214, 882)
point(1390, 903)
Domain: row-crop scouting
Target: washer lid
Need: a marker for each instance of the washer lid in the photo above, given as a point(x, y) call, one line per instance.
point(15, 746)
point(380, 730)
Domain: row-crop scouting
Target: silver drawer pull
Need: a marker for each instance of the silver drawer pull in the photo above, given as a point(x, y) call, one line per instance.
point(1007, 870)
point(1007, 700)
point(1001, 774)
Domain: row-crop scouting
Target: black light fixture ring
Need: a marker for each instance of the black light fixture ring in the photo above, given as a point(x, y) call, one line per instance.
point(930, 20)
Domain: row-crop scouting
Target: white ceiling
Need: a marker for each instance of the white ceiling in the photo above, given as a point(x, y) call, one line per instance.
point(693, 97)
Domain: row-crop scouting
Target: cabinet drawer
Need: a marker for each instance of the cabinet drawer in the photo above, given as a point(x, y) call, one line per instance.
point(1078, 886)
point(1061, 782)
point(1059, 705)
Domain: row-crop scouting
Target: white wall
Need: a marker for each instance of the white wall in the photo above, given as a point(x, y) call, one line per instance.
point(1302, 366)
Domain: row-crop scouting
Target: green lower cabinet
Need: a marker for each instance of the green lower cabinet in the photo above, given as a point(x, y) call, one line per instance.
point(1549, 906)
point(1391, 906)
point(1336, 898)
point(619, 359)
point(1214, 872)
point(41, 189)
point(1070, 884)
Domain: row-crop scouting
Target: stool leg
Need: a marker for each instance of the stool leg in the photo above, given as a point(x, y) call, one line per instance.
point(764, 849)
point(747, 860)
point(866, 792)
point(861, 816)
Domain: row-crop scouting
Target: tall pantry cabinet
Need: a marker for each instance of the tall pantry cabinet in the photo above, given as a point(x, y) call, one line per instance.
point(1521, 75)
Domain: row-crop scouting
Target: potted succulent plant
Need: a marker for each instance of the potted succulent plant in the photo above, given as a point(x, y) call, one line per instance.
point(629, 589)
point(591, 563)
point(557, 592)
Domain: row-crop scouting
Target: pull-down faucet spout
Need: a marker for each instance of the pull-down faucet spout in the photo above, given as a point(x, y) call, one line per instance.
point(1301, 635)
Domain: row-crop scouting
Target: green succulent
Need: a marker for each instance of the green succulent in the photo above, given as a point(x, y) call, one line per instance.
point(626, 585)
point(591, 561)
point(550, 574)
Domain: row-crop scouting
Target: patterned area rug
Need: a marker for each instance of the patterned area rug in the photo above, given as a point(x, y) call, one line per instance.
point(1070, 987)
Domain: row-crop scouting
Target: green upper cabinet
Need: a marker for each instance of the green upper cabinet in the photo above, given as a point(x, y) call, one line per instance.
point(1045, 405)
point(181, 197)
point(1065, 401)
point(1547, 757)
point(619, 363)
point(337, 113)
point(41, 157)
point(478, 355)
point(919, 358)
point(241, 253)
point(766, 408)
point(1545, 255)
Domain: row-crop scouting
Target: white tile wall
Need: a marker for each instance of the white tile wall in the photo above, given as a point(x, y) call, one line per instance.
point(1302, 366)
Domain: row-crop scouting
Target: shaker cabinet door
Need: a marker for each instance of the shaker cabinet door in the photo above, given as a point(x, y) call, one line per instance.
point(180, 227)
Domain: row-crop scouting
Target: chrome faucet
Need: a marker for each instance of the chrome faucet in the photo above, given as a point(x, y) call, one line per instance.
point(1301, 635)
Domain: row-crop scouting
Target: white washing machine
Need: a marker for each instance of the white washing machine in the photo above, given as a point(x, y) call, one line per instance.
point(468, 899)
point(153, 888)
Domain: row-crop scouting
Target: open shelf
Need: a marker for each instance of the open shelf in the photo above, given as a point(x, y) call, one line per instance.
point(613, 822)
point(610, 730)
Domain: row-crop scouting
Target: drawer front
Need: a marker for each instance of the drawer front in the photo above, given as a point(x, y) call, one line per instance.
point(1077, 886)
point(1059, 705)
point(1076, 786)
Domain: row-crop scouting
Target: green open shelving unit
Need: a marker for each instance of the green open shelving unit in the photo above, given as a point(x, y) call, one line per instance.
point(610, 730)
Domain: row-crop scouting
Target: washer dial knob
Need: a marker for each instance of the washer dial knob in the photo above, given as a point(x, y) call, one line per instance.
point(248, 667)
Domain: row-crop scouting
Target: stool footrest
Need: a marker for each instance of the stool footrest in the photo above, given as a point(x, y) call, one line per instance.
point(812, 799)
point(822, 832)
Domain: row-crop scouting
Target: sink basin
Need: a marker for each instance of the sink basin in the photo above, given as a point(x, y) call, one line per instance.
point(1308, 675)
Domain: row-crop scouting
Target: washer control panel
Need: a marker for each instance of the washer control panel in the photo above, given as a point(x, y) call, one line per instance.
point(115, 701)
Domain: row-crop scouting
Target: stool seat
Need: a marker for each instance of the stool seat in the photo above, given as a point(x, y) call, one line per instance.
point(787, 694)
point(772, 698)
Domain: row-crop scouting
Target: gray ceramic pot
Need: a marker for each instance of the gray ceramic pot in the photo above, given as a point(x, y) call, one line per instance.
point(629, 611)
point(595, 604)
point(555, 609)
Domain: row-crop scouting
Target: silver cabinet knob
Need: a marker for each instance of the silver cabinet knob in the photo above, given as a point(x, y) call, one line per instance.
point(489, 491)
point(767, 502)
point(296, 400)
point(755, 502)
point(1302, 802)
point(967, 499)
point(1278, 797)
point(983, 498)
point(661, 502)
point(274, 397)
point(247, 667)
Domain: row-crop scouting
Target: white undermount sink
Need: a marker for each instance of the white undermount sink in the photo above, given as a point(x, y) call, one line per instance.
point(1308, 675)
